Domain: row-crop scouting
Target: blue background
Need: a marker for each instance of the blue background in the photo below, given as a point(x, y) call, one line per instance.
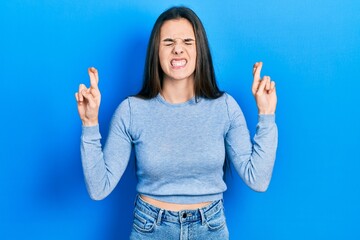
point(310, 48)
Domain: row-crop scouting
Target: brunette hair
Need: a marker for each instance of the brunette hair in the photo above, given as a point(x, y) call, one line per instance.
point(204, 76)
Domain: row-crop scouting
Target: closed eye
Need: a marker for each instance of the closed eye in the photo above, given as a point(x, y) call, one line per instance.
point(168, 41)
point(189, 41)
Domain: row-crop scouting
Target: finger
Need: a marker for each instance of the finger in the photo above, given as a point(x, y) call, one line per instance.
point(256, 74)
point(81, 88)
point(257, 70)
point(268, 83)
point(88, 96)
point(272, 87)
point(95, 92)
point(94, 77)
point(97, 75)
point(262, 86)
point(254, 67)
point(77, 97)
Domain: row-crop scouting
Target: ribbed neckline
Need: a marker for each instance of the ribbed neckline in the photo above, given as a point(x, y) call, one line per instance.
point(191, 101)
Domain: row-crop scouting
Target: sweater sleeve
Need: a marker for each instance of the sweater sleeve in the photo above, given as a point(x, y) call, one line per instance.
point(103, 167)
point(253, 160)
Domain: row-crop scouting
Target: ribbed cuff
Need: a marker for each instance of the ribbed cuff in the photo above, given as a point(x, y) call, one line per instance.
point(266, 118)
point(91, 132)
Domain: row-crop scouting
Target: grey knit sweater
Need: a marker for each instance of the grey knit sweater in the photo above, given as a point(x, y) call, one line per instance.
point(180, 149)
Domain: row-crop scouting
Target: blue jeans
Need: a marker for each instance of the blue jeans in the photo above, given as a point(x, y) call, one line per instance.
point(205, 223)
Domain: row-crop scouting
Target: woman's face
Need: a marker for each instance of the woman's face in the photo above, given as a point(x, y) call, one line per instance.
point(177, 50)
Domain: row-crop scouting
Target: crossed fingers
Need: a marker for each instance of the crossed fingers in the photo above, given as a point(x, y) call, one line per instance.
point(264, 85)
point(91, 93)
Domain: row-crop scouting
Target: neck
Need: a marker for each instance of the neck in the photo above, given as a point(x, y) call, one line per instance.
point(178, 91)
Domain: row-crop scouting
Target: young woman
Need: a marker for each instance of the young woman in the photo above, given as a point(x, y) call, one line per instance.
point(183, 129)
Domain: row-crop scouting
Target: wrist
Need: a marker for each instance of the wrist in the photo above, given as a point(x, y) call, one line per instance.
point(266, 112)
point(90, 123)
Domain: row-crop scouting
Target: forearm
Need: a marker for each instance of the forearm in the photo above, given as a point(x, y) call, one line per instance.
point(254, 161)
point(93, 163)
point(102, 168)
point(263, 153)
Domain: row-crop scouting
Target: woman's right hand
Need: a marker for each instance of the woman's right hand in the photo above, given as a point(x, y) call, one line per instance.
point(88, 100)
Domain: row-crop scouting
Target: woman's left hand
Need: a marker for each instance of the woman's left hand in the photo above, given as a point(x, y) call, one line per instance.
point(263, 91)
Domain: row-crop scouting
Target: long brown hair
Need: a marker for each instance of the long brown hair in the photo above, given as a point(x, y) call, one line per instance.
point(204, 76)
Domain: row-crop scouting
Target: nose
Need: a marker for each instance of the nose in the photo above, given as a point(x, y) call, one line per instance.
point(178, 49)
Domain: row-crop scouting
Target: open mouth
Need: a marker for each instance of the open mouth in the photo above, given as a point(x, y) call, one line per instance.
point(178, 62)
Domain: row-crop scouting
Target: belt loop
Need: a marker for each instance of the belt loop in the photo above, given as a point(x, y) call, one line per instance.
point(158, 220)
point(202, 216)
point(136, 198)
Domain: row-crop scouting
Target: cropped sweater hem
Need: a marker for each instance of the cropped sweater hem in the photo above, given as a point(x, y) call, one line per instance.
point(186, 199)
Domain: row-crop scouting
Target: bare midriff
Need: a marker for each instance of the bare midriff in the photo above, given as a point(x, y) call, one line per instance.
point(173, 206)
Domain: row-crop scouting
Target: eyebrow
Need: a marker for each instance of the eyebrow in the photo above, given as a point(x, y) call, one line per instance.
point(168, 40)
point(173, 40)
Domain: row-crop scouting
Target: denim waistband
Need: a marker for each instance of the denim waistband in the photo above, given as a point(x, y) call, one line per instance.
point(182, 216)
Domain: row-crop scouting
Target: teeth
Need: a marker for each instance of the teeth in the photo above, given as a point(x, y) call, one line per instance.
point(178, 63)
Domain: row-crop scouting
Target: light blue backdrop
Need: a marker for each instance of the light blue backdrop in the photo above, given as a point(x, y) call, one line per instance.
point(310, 48)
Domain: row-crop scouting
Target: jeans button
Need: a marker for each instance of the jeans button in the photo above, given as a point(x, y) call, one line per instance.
point(184, 215)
